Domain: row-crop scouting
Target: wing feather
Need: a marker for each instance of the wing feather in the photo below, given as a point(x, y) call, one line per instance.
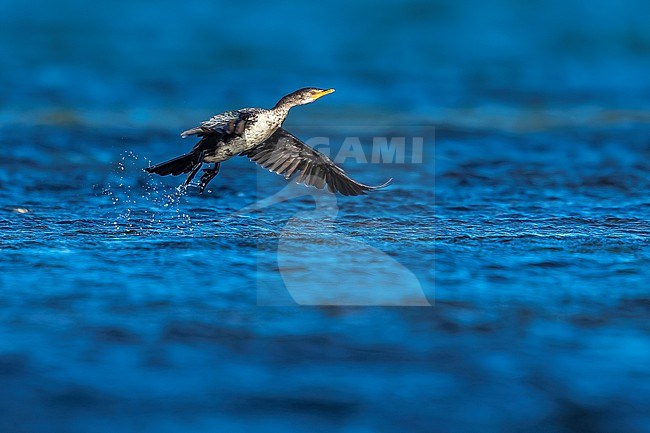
point(292, 168)
point(229, 122)
point(286, 155)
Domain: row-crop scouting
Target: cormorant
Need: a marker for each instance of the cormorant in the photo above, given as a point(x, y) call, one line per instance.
point(257, 134)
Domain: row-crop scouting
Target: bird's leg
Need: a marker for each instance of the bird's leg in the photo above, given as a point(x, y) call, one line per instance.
point(195, 170)
point(209, 174)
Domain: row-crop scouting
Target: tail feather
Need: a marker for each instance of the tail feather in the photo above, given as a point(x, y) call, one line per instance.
point(182, 164)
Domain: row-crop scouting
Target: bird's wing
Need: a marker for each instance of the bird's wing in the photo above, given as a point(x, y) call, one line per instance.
point(285, 154)
point(230, 122)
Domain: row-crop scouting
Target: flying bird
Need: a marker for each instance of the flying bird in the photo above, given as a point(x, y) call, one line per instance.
point(257, 133)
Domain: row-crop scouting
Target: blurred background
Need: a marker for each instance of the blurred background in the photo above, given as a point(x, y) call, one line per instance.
point(126, 305)
point(126, 63)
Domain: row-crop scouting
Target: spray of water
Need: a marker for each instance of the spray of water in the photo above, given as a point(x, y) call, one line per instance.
point(144, 203)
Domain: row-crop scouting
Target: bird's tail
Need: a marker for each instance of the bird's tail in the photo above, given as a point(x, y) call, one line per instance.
point(182, 164)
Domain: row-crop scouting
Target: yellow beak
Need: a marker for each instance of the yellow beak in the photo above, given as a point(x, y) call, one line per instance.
point(323, 93)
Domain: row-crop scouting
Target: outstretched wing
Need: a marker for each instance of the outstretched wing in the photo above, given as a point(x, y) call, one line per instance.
point(230, 122)
point(285, 154)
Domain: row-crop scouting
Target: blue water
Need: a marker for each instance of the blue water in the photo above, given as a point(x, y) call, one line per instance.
point(129, 305)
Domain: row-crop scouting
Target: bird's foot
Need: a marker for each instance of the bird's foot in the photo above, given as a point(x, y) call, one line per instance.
point(209, 174)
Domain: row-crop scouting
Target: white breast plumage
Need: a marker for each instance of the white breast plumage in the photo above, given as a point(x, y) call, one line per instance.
point(261, 128)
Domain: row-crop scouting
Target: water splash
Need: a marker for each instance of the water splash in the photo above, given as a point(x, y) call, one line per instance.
point(144, 203)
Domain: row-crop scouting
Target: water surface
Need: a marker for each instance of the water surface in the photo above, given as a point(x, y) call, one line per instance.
point(128, 305)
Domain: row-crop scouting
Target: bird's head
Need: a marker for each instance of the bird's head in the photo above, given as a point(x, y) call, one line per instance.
point(303, 96)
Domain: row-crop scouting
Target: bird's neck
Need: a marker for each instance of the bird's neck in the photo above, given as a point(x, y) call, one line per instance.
point(282, 108)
